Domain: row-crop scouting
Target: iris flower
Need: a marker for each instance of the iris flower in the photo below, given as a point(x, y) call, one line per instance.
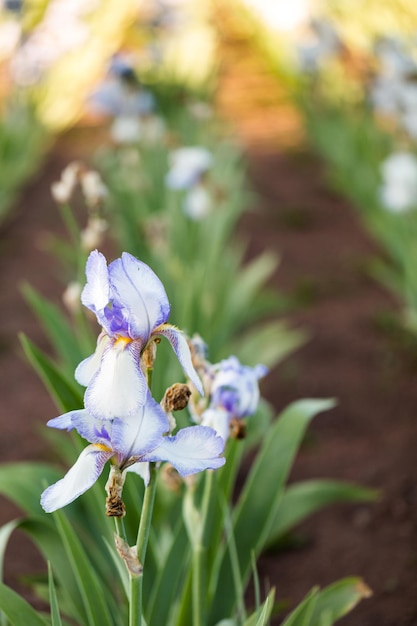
point(129, 444)
point(132, 307)
point(234, 394)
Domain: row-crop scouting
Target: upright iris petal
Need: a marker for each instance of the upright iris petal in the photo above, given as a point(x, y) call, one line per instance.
point(132, 307)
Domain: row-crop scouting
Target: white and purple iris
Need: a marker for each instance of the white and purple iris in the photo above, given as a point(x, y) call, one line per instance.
point(234, 394)
point(132, 307)
point(130, 444)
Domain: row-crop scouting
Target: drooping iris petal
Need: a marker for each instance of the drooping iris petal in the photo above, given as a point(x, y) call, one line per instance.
point(63, 422)
point(180, 346)
point(119, 387)
point(96, 293)
point(90, 366)
point(192, 450)
point(142, 294)
point(82, 475)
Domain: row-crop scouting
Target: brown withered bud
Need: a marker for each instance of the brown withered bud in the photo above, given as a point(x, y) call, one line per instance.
point(129, 556)
point(114, 504)
point(176, 398)
point(237, 428)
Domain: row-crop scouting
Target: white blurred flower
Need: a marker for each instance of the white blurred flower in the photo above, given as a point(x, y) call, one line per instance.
point(187, 165)
point(125, 129)
point(197, 203)
point(92, 235)
point(72, 296)
point(93, 188)
point(63, 189)
point(399, 188)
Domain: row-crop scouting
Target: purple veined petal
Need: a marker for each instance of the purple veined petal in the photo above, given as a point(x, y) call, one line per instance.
point(86, 370)
point(219, 420)
point(119, 387)
point(142, 293)
point(96, 293)
point(82, 475)
point(142, 469)
point(140, 432)
point(192, 450)
point(180, 346)
point(97, 431)
point(63, 422)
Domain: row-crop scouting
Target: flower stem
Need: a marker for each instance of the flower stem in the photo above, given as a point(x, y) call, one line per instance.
point(200, 553)
point(136, 582)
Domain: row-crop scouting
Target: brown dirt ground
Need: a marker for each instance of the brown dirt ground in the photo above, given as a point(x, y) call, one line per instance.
point(369, 438)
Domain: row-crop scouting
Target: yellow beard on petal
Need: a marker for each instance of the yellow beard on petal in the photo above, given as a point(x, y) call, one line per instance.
point(121, 343)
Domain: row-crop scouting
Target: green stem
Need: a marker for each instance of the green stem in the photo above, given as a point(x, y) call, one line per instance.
point(120, 527)
point(200, 553)
point(136, 583)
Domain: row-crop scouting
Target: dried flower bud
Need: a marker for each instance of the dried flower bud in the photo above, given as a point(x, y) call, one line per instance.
point(114, 487)
point(237, 429)
point(129, 555)
point(176, 397)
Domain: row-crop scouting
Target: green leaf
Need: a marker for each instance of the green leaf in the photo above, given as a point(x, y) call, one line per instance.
point(268, 343)
point(65, 393)
point(55, 616)
point(301, 615)
point(55, 326)
point(338, 599)
point(261, 495)
point(23, 483)
point(305, 498)
point(5, 532)
point(91, 588)
point(261, 618)
point(17, 610)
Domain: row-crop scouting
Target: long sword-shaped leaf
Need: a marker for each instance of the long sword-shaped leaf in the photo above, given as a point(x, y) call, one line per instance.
point(338, 599)
point(92, 590)
point(23, 483)
point(55, 326)
point(53, 600)
point(65, 393)
point(262, 493)
point(17, 610)
point(304, 498)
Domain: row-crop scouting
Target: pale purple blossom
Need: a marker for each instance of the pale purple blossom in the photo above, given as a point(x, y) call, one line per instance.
point(130, 444)
point(132, 307)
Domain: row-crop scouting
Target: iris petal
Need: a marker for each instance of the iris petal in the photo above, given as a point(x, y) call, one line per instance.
point(96, 293)
point(119, 387)
point(140, 432)
point(90, 366)
point(180, 346)
point(192, 450)
point(141, 292)
point(82, 475)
